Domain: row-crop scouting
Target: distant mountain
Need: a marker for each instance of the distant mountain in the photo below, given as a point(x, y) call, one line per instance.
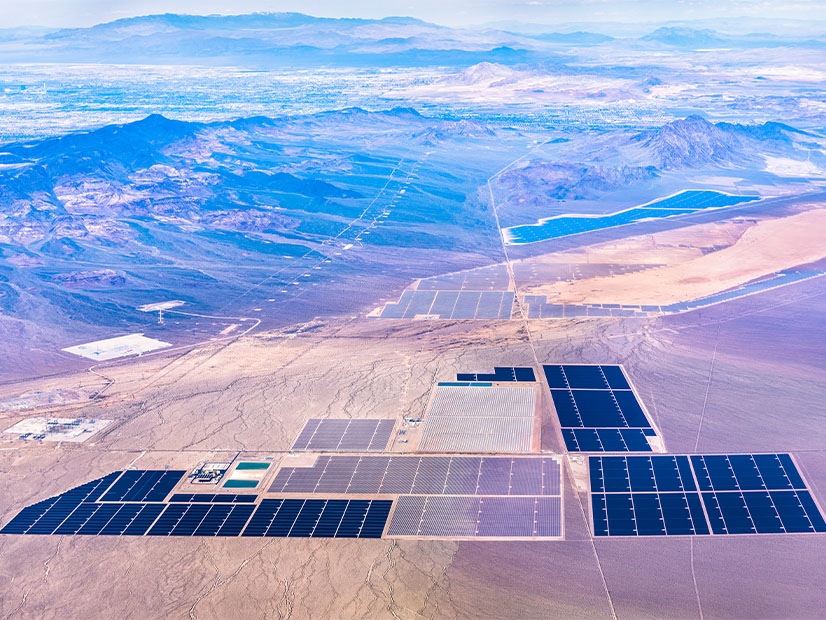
point(627, 158)
point(274, 39)
point(574, 38)
point(96, 223)
point(684, 37)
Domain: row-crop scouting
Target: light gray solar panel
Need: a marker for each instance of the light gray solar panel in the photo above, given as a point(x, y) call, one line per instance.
point(466, 305)
point(368, 475)
point(345, 435)
point(337, 474)
point(284, 474)
point(400, 474)
point(397, 310)
point(489, 304)
point(506, 516)
point(407, 515)
point(495, 475)
point(506, 308)
point(305, 435)
point(381, 435)
point(526, 477)
point(498, 401)
point(420, 303)
point(463, 475)
point(551, 473)
point(450, 516)
point(444, 303)
point(548, 516)
point(431, 475)
point(463, 434)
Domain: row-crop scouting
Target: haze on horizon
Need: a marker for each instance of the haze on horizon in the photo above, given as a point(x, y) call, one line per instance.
point(527, 13)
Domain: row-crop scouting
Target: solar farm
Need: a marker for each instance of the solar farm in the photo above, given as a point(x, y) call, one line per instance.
point(682, 203)
point(471, 471)
point(429, 304)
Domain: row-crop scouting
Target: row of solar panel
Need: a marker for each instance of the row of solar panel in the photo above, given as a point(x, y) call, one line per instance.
point(500, 373)
point(729, 512)
point(476, 517)
point(598, 409)
point(320, 518)
point(209, 498)
point(734, 472)
point(585, 377)
point(607, 439)
point(451, 304)
point(740, 494)
point(137, 485)
point(425, 475)
point(560, 226)
point(76, 512)
point(345, 435)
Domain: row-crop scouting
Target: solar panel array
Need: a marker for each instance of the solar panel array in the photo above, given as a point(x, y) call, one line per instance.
point(663, 495)
point(82, 510)
point(597, 409)
point(210, 498)
point(427, 475)
point(455, 304)
point(479, 419)
point(453, 516)
point(683, 203)
point(500, 373)
point(345, 435)
point(320, 518)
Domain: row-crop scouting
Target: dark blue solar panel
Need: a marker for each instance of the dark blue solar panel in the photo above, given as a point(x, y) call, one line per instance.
point(376, 518)
point(588, 440)
point(353, 518)
point(524, 374)
point(285, 518)
point(555, 377)
point(676, 514)
point(600, 515)
point(77, 519)
point(610, 439)
point(27, 517)
point(648, 514)
point(143, 520)
point(634, 439)
point(585, 377)
point(566, 410)
point(812, 511)
point(308, 517)
point(616, 379)
point(263, 516)
point(631, 410)
point(615, 474)
point(698, 517)
point(597, 408)
point(167, 482)
point(330, 518)
point(143, 486)
point(99, 520)
point(791, 471)
point(190, 520)
point(182, 497)
point(168, 520)
point(666, 473)
point(213, 520)
point(122, 486)
point(466, 376)
point(236, 520)
point(649, 432)
point(122, 519)
point(620, 514)
point(641, 474)
point(735, 513)
point(595, 468)
point(571, 444)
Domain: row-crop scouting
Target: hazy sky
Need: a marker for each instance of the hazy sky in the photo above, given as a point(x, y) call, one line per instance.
point(447, 12)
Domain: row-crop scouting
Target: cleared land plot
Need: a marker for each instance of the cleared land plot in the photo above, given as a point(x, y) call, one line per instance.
point(345, 435)
point(763, 250)
point(113, 348)
point(423, 475)
point(563, 225)
point(734, 494)
point(74, 430)
point(479, 419)
point(476, 517)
